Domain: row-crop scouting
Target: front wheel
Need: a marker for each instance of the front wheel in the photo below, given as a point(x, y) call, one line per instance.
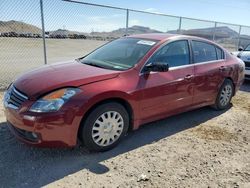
point(225, 95)
point(105, 126)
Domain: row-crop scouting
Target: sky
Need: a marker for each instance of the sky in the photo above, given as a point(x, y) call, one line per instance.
point(78, 17)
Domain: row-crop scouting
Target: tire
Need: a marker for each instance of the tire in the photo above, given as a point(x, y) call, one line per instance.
point(104, 127)
point(224, 96)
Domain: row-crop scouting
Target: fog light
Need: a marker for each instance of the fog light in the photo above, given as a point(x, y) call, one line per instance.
point(30, 118)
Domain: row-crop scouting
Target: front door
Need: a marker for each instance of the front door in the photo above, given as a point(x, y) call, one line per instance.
point(167, 92)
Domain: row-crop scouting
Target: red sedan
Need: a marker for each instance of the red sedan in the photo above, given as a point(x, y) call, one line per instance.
point(118, 87)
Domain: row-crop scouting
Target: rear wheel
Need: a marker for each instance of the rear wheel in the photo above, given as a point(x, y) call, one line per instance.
point(225, 95)
point(105, 126)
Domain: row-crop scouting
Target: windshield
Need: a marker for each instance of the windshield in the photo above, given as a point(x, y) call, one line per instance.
point(120, 54)
point(247, 48)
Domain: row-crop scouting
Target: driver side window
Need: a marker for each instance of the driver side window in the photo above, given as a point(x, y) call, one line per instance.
point(174, 53)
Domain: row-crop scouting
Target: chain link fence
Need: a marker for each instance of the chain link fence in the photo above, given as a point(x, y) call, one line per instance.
point(20, 49)
point(33, 33)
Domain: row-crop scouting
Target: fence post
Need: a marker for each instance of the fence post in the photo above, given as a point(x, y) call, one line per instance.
point(180, 22)
point(43, 32)
point(214, 32)
point(238, 45)
point(127, 18)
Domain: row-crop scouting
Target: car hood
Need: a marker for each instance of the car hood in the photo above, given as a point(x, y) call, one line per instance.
point(67, 74)
point(244, 56)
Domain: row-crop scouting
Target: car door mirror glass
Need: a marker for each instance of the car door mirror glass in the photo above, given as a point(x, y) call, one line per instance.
point(156, 67)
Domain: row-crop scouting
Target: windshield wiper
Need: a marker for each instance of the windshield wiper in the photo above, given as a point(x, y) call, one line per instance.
point(102, 64)
point(95, 65)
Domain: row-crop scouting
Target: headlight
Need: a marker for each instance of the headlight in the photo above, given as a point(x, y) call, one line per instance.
point(54, 101)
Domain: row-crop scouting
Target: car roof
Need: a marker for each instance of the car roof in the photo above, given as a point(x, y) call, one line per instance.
point(164, 36)
point(153, 36)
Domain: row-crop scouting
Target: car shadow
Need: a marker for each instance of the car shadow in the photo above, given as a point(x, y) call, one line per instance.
point(245, 86)
point(26, 166)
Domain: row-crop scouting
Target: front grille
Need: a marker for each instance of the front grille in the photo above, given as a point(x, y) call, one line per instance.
point(247, 64)
point(16, 98)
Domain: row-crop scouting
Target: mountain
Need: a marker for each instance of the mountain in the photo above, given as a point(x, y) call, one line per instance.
point(136, 29)
point(221, 32)
point(18, 27)
point(21, 27)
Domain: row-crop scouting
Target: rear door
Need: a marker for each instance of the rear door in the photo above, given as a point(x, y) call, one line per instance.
point(209, 65)
point(168, 92)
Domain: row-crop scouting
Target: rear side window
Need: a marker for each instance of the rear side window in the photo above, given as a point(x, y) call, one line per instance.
point(220, 54)
point(203, 52)
point(174, 54)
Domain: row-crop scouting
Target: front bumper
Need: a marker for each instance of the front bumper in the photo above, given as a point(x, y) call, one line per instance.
point(247, 73)
point(57, 129)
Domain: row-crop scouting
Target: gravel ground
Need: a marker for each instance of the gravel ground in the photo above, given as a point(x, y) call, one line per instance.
point(201, 148)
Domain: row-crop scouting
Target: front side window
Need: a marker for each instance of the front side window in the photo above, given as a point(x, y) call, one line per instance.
point(203, 52)
point(247, 48)
point(174, 54)
point(120, 54)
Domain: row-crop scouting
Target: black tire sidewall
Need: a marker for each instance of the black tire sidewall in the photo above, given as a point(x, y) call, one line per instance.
point(86, 131)
point(218, 104)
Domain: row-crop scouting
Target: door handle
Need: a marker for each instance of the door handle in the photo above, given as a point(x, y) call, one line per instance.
point(188, 77)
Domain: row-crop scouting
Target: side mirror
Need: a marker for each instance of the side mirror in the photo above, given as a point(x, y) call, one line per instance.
point(240, 48)
point(156, 67)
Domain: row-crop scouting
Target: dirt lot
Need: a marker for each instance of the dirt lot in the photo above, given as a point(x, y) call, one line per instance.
point(201, 148)
point(18, 55)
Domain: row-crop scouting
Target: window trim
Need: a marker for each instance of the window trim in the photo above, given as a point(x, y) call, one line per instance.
point(222, 52)
point(210, 43)
point(169, 42)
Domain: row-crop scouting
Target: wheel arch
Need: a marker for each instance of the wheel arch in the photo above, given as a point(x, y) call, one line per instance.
point(118, 100)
